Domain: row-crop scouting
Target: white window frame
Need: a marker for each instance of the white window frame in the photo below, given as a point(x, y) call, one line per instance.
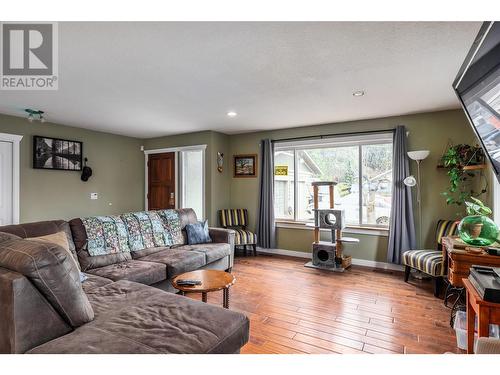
point(15, 139)
point(178, 190)
point(496, 197)
point(326, 142)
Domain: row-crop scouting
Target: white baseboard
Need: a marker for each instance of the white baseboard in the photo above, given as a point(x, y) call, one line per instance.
point(375, 264)
point(355, 261)
point(288, 253)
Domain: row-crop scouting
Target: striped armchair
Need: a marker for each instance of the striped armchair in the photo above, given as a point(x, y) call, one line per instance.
point(431, 262)
point(237, 219)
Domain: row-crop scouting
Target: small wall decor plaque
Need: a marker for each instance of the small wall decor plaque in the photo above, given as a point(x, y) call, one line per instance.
point(220, 161)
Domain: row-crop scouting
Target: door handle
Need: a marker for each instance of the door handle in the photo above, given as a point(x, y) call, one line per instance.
point(171, 201)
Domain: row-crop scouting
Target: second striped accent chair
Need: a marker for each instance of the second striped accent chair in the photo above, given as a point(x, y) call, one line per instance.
point(237, 219)
point(431, 262)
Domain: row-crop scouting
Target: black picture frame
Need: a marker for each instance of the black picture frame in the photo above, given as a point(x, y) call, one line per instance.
point(57, 154)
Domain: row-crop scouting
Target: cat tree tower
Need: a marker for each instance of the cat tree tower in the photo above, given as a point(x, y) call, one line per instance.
point(328, 255)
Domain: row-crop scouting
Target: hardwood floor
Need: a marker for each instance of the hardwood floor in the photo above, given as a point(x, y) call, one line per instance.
point(293, 309)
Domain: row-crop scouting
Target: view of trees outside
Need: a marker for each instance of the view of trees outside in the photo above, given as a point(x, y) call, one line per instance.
point(334, 164)
point(377, 184)
point(340, 164)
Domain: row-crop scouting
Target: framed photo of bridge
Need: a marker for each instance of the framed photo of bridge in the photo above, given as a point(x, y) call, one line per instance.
point(59, 154)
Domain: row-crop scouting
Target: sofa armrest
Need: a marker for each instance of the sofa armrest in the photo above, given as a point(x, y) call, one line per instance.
point(27, 318)
point(221, 235)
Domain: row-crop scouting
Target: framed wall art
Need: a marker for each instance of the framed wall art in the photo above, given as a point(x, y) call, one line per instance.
point(245, 165)
point(59, 154)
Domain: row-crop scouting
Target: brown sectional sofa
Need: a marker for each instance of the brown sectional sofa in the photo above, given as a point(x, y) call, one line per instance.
point(116, 309)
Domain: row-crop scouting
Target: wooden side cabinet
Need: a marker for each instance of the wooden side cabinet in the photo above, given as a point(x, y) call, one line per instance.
point(487, 313)
point(460, 261)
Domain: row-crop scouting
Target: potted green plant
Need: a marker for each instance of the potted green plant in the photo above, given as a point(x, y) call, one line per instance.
point(457, 160)
point(477, 228)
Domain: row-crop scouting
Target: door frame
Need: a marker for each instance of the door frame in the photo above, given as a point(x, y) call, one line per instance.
point(176, 151)
point(15, 139)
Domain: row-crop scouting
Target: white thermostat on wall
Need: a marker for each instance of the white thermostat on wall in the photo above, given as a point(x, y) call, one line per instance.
point(94, 196)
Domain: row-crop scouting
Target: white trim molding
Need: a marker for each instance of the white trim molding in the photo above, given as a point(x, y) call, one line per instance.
point(496, 197)
point(355, 261)
point(15, 139)
point(175, 149)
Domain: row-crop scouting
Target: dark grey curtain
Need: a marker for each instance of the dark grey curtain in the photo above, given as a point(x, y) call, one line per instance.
point(265, 220)
point(402, 225)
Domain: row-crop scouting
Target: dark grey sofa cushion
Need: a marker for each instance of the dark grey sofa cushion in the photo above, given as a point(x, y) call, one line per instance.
point(88, 262)
point(212, 251)
point(55, 274)
point(93, 282)
point(8, 237)
point(177, 261)
point(27, 319)
point(42, 228)
point(145, 252)
point(133, 270)
point(162, 323)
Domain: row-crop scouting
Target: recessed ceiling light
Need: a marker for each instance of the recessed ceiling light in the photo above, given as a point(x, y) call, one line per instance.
point(358, 93)
point(231, 114)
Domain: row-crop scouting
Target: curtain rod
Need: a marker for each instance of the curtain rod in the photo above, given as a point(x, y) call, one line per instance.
point(333, 135)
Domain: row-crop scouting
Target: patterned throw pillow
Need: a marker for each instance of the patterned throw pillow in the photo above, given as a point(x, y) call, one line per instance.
point(197, 233)
point(172, 224)
point(106, 235)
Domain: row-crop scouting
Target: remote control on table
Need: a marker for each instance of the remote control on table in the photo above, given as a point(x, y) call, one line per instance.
point(483, 269)
point(188, 282)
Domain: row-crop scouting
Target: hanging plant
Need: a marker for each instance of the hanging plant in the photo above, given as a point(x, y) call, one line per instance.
point(456, 159)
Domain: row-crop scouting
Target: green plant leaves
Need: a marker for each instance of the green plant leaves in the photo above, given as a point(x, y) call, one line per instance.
point(476, 207)
point(454, 159)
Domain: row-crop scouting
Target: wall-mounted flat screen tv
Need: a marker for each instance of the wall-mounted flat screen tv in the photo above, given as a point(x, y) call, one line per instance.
point(477, 85)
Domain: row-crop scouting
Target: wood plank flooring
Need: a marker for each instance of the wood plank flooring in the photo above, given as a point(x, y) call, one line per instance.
point(293, 309)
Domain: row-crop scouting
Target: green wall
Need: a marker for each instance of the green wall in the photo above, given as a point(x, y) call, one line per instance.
point(118, 166)
point(118, 174)
point(429, 131)
point(216, 184)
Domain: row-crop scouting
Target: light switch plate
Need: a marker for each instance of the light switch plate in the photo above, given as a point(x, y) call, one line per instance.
point(94, 196)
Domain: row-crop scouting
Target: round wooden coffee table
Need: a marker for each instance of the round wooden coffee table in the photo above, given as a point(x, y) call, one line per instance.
point(211, 281)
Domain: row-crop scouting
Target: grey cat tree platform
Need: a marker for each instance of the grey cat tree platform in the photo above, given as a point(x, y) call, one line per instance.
point(329, 255)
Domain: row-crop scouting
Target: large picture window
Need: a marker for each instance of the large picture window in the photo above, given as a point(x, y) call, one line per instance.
point(361, 166)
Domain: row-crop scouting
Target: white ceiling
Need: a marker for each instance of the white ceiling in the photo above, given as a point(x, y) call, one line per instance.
point(153, 79)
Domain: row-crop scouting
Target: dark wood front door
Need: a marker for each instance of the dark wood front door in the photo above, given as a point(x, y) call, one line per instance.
point(161, 181)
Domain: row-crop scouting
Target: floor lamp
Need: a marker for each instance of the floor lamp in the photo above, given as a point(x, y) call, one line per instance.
point(410, 181)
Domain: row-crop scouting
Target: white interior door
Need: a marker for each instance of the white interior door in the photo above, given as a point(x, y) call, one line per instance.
point(6, 183)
